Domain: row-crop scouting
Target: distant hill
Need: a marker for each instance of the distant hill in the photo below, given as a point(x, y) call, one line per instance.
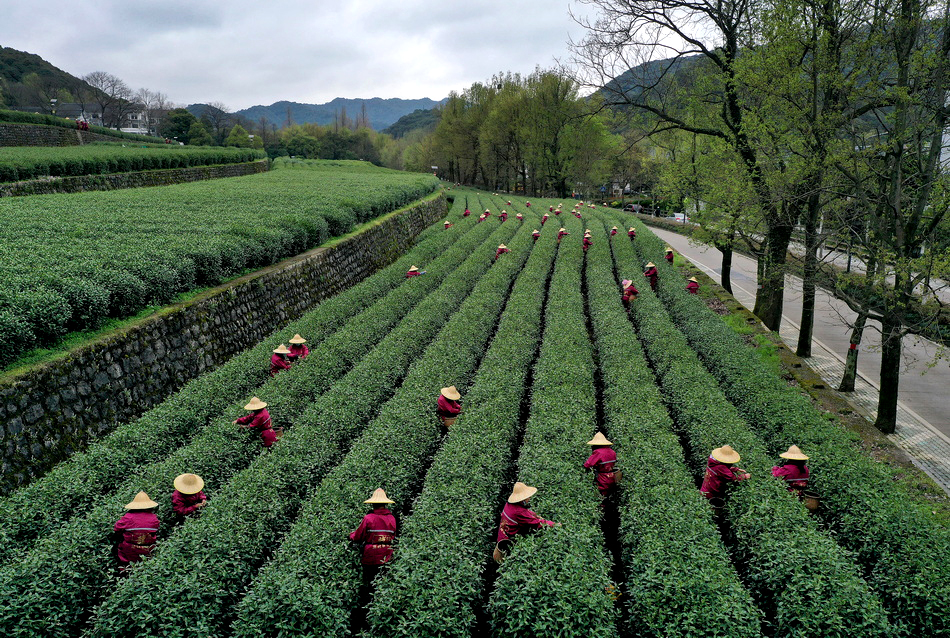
point(420, 119)
point(661, 74)
point(17, 68)
point(380, 112)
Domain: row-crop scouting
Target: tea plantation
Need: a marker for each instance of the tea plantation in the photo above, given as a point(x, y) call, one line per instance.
point(544, 354)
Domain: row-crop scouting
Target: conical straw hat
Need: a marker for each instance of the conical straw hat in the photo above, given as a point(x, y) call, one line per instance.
point(668, 249)
point(521, 492)
point(794, 453)
point(379, 496)
point(297, 339)
point(535, 231)
point(725, 454)
point(189, 483)
point(255, 404)
point(502, 246)
point(487, 211)
point(141, 502)
point(693, 279)
point(613, 228)
point(281, 349)
point(413, 268)
point(561, 230)
point(631, 228)
point(650, 264)
point(446, 222)
point(599, 439)
point(451, 393)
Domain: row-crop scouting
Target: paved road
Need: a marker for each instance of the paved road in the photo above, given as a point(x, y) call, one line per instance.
point(924, 419)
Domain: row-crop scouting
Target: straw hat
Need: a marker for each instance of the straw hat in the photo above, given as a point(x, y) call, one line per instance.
point(614, 228)
point(725, 454)
point(487, 211)
point(379, 496)
point(650, 264)
point(692, 279)
point(446, 222)
point(504, 212)
point(297, 339)
point(545, 215)
point(668, 249)
point(561, 230)
point(587, 231)
point(189, 483)
point(281, 349)
point(141, 502)
point(255, 404)
point(413, 268)
point(794, 454)
point(521, 492)
point(535, 231)
point(451, 393)
point(599, 439)
point(625, 283)
point(502, 246)
point(631, 228)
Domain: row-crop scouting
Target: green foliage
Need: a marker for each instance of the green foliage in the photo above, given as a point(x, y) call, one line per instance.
point(29, 162)
point(418, 595)
point(238, 137)
point(20, 117)
point(682, 582)
point(904, 552)
point(814, 588)
point(198, 135)
point(91, 249)
point(557, 582)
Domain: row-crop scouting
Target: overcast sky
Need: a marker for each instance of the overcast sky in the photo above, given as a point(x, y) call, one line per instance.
point(247, 52)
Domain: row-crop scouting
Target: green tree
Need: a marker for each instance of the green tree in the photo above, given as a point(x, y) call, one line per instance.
point(238, 137)
point(176, 124)
point(198, 135)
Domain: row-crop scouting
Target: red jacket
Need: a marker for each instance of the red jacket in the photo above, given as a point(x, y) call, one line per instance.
point(447, 407)
point(613, 232)
point(185, 504)
point(376, 533)
point(298, 351)
point(501, 251)
point(795, 478)
point(577, 215)
point(602, 461)
point(544, 218)
point(535, 234)
point(466, 213)
point(668, 257)
point(260, 421)
point(414, 273)
point(651, 274)
point(692, 288)
point(518, 519)
point(630, 293)
point(138, 535)
point(562, 233)
point(587, 243)
point(278, 364)
point(519, 217)
point(503, 217)
point(718, 474)
point(632, 234)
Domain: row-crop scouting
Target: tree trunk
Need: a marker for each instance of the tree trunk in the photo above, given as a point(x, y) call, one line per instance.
point(851, 363)
point(807, 329)
point(891, 335)
point(771, 293)
point(727, 268)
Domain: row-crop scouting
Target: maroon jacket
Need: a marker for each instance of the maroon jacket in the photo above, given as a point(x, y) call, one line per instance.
point(501, 251)
point(668, 257)
point(517, 519)
point(796, 478)
point(613, 231)
point(298, 351)
point(519, 217)
point(414, 273)
point(448, 408)
point(630, 293)
point(577, 215)
point(138, 535)
point(692, 288)
point(587, 243)
point(561, 233)
point(602, 461)
point(466, 213)
point(544, 218)
point(651, 274)
point(718, 475)
point(260, 420)
point(278, 364)
point(503, 217)
point(632, 234)
point(376, 533)
point(185, 504)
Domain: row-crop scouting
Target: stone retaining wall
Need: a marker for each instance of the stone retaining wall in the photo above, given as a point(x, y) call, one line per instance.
point(12, 134)
point(55, 409)
point(135, 179)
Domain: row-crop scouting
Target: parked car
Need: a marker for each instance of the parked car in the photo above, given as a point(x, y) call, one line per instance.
point(679, 217)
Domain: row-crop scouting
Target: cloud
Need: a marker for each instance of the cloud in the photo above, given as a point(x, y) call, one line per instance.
point(246, 52)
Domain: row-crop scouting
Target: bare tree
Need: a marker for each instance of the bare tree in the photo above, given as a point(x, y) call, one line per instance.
point(112, 95)
point(155, 105)
point(219, 120)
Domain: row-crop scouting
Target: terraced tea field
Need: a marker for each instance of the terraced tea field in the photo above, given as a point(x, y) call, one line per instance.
point(544, 354)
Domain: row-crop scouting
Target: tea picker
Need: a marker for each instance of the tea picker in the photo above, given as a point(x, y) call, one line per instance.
point(188, 498)
point(517, 519)
point(375, 536)
point(602, 461)
point(721, 471)
point(449, 406)
point(136, 532)
point(651, 273)
point(259, 420)
point(280, 360)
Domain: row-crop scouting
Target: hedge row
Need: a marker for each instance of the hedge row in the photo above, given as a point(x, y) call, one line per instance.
point(557, 582)
point(38, 508)
point(72, 261)
point(69, 571)
point(30, 162)
point(21, 117)
point(436, 582)
point(263, 500)
point(905, 554)
point(310, 588)
point(681, 582)
point(804, 583)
